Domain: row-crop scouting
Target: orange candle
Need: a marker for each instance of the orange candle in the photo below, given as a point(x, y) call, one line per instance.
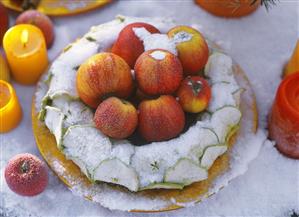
point(10, 109)
point(284, 118)
point(26, 52)
point(293, 64)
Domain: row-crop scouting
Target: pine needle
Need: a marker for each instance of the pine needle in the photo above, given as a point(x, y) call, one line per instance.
point(267, 3)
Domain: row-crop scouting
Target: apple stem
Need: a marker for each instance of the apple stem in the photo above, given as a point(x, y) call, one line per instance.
point(125, 102)
point(25, 167)
point(196, 86)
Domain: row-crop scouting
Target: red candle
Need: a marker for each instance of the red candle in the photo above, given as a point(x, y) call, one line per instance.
point(284, 117)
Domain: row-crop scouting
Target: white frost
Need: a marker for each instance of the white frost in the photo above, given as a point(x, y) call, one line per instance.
point(182, 37)
point(155, 41)
point(158, 55)
point(126, 201)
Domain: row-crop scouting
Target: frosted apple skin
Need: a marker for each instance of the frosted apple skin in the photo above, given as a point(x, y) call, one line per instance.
point(103, 75)
point(116, 118)
point(158, 76)
point(31, 182)
point(160, 119)
point(42, 21)
point(194, 94)
point(128, 45)
point(193, 53)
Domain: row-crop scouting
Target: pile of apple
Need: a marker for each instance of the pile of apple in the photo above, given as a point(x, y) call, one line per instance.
point(165, 85)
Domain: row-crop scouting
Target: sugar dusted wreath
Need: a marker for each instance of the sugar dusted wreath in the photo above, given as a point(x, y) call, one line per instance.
point(177, 141)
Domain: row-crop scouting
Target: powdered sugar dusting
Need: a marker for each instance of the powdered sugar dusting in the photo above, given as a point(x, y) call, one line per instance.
point(141, 33)
point(158, 55)
point(155, 41)
point(58, 167)
point(182, 37)
point(271, 177)
point(97, 191)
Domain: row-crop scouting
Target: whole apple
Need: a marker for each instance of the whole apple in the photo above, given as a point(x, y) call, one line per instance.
point(26, 175)
point(158, 72)
point(40, 20)
point(116, 118)
point(160, 119)
point(128, 45)
point(3, 21)
point(193, 50)
point(101, 76)
point(194, 94)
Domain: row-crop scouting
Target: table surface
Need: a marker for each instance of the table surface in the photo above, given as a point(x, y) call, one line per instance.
point(260, 43)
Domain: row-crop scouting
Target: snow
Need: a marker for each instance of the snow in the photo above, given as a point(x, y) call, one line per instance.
point(182, 37)
point(162, 154)
point(260, 43)
point(158, 55)
point(155, 41)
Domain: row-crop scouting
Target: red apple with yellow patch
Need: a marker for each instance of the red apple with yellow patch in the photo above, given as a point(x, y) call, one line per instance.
point(194, 94)
point(158, 72)
point(160, 119)
point(192, 48)
point(40, 20)
point(128, 45)
point(116, 118)
point(101, 76)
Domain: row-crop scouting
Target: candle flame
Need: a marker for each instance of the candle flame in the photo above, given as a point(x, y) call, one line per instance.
point(24, 37)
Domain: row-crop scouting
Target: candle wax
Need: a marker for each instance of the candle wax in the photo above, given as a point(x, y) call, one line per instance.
point(10, 108)
point(26, 53)
point(4, 95)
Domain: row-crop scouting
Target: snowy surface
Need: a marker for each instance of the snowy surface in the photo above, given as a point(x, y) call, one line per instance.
point(260, 43)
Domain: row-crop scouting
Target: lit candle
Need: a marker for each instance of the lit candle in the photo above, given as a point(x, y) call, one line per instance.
point(10, 109)
point(26, 52)
point(284, 118)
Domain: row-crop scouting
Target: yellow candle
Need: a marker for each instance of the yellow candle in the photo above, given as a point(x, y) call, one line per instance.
point(26, 52)
point(10, 108)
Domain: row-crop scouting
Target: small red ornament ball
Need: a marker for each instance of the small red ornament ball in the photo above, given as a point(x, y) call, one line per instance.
point(26, 175)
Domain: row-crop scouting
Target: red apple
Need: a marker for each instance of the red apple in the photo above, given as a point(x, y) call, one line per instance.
point(101, 76)
point(26, 175)
point(160, 119)
point(192, 48)
point(194, 94)
point(128, 45)
point(158, 72)
point(3, 21)
point(116, 118)
point(40, 20)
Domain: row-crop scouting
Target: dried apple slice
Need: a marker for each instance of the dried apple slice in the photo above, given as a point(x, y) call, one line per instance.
point(115, 171)
point(211, 154)
point(223, 120)
point(87, 144)
point(179, 174)
point(222, 95)
point(219, 68)
point(164, 185)
point(75, 111)
point(54, 121)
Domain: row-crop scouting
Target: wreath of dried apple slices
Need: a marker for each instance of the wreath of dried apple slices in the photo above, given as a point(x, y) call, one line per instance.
point(199, 161)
